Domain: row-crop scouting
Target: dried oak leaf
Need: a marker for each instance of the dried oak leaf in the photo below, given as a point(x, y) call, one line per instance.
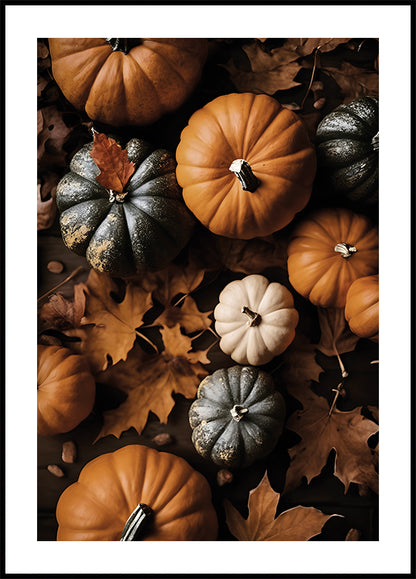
point(253, 255)
point(345, 432)
point(186, 314)
point(150, 380)
point(46, 211)
point(336, 337)
point(269, 73)
point(62, 314)
point(112, 160)
point(296, 524)
point(109, 327)
point(354, 82)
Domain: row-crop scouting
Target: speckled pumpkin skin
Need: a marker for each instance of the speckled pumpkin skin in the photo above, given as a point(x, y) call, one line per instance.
point(217, 435)
point(144, 232)
point(347, 151)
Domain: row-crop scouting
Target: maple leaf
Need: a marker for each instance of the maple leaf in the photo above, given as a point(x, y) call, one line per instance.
point(253, 255)
point(354, 82)
point(187, 315)
point(306, 46)
point(296, 524)
point(299, 363)
point(109, 327)
point(113, 162)
point(321, 431)
point(269, 73)
point(62, 314)
point(150, 381)
point(336, 337)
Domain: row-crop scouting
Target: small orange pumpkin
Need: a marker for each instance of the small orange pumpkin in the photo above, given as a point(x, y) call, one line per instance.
point(328, 251)
point(136, 493)
point(66, 390)
point(127, 81)
point(246, 165)
point(362, 307)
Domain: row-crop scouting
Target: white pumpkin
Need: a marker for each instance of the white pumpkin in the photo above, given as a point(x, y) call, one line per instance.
point(255, 319)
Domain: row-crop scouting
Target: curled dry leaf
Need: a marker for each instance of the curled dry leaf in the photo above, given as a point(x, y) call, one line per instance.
point(296, 524)
point(62, 314)
point(109, 327)
point(253, 255)
point(150, 380)
point(52, 138)
point(306, 46)
point(46, 211)
point(345, 432)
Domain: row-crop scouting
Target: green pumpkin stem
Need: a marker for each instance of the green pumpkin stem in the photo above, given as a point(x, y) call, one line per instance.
point(135, 523)
point(123, 44)
point(254, 318)
point(345, 249)
point(243, 171)
point(238, 412)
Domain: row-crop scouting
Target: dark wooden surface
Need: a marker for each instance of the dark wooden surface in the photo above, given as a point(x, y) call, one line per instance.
point(325, 492)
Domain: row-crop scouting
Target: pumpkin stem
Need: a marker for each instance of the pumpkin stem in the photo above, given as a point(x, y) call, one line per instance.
point(123, 44)
point(247, 178)
point(254, 318)
point(374, 142)
point(238, 411)
point(114, 196)
point(135, 522)
point(345, 249)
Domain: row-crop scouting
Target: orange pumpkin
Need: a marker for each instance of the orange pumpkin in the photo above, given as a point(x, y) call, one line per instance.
point(127, 81)
point(66, 390)
point(246, 165)
point(136, 493)
point(361, 308)
point(328, 251)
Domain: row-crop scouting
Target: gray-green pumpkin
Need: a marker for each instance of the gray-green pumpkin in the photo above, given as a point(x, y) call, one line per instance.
point(237, 417)
point(347, 142)
point(143, 230)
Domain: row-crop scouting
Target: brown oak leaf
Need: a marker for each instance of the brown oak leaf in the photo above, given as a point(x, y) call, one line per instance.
point(354, 82)
point(269, 73)
point(296, 524)
point(113, 162)
point(62, 314)
point(109, 327)
point(345, 432)
point(150, 381)
point(253, 255)
point(336, 337)
point(186, 314)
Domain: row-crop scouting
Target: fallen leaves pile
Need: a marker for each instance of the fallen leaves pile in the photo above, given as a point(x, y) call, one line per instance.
point(143, 335)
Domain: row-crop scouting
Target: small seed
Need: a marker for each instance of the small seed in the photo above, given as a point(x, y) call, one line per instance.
point(162, 439)
point(319, 103)
point(224, 477)
point(55, 267)
point(69, 451)
point(55, 470)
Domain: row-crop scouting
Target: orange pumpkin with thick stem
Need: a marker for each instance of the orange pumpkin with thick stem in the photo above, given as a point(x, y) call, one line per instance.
point(362, 307)
point(127, 81)
point(328, 251)
point(246, 165)
point(66, 390)
point(137, 493)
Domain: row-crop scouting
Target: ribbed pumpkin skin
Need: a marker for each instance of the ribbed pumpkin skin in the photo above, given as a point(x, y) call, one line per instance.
point(137, 88)
point(217, 435)
point(273, 141)
point(316, 270)
point(66, 390)
point(347, 150)
point(362, 307)
point(146, 231)
point(260, 342)
point(109, 488)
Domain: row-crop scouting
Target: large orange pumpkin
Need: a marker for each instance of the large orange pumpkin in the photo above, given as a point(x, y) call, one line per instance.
point(137, 493)
point(328, 251)
point(246, 165)
point(362, 307)
point(66, 390)
point(127, 81)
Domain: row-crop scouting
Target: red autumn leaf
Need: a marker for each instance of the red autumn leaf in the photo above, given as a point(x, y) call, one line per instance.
point(113, 162)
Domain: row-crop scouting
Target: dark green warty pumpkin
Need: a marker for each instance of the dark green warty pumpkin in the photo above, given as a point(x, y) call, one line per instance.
point(238, 416)
point(347, 150)
point(142, 230)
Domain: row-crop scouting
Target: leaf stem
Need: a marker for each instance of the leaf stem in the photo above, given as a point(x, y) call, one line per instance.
point(315, 57)
point(146, 339)
point(67, 279)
